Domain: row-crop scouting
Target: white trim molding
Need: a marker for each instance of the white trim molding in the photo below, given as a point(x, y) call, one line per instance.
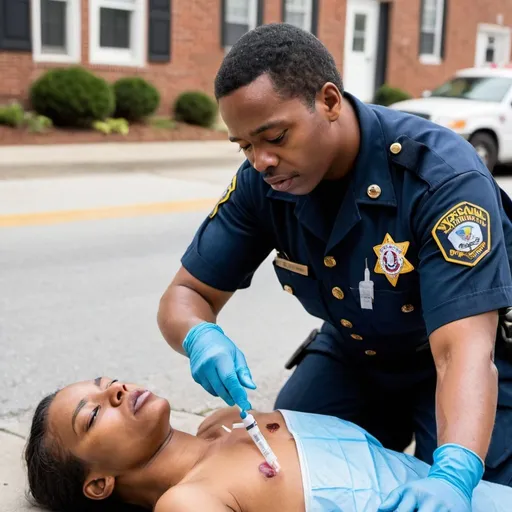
point(71, 53)
point(135, 54)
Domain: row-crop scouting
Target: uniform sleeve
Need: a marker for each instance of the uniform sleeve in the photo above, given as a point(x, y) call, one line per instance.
point(232, 241)
point(463, 260)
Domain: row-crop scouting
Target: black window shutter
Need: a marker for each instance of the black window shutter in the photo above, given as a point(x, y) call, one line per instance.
point(159, 31)
point(314, 17)
point(443, 29)
point(259, 19)
point(15, 29)
point(223, 23)
point(420, 25)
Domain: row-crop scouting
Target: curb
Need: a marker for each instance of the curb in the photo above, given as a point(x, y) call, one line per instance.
point(70, 159)
point(48, 170)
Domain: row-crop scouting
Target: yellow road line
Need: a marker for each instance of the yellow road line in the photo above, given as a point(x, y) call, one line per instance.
point(111, 212)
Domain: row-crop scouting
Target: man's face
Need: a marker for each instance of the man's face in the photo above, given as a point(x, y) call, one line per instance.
point(291, 145)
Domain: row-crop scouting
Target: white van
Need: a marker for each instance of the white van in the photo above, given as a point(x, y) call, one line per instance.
point(477, 104)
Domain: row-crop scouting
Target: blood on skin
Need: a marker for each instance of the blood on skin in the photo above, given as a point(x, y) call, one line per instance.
point(268, 471)
point(272, 427)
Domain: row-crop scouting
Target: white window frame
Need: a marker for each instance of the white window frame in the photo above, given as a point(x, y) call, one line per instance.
point(307, 11)
point(435, 57)
point(73, 34)
point(251, 21)
point(134, 56)
point(487, 29)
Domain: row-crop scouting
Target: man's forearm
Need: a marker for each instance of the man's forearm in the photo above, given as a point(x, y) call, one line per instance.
point(180, 309)
point(467, 390)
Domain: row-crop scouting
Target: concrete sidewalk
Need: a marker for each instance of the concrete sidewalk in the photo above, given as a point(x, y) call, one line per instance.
point(52, 160)
point(13, 434)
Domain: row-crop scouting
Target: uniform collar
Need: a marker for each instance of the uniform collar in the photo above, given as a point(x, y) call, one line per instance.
point(370, 168)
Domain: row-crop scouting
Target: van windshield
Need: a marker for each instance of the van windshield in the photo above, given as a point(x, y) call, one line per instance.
point(478, 88)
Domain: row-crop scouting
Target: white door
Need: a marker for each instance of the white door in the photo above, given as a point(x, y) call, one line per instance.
point(360, 59)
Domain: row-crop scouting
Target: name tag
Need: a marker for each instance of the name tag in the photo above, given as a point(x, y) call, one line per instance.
point(290, 265)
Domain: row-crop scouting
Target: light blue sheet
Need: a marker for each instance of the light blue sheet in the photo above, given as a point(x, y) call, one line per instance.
point(346, 469)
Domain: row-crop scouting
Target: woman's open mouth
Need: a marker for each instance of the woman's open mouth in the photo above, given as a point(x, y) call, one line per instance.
point(138, 399)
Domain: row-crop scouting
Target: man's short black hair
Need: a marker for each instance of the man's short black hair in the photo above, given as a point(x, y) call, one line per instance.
point(296, 61)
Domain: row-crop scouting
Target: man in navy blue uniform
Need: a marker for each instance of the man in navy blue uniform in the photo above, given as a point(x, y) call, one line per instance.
point(387, 227)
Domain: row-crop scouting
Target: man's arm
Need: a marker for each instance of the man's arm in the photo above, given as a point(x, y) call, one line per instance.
point(467, 381)
point(186, 303)
point(189, 497)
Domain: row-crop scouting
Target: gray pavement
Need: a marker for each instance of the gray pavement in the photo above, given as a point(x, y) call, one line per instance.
point(79, 299)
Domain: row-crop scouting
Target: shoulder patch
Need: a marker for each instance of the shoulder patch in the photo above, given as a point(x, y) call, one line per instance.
point(463, 234)
point(224, 197)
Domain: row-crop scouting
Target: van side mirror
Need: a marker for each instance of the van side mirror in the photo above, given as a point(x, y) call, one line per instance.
point(426, 94)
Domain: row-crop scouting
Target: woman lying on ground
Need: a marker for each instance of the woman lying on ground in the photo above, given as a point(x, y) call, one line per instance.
point(99, 442)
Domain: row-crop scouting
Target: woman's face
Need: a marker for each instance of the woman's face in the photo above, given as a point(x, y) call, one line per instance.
point(111, 426)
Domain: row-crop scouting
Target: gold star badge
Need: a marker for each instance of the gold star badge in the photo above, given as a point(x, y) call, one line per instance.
point(391, 260)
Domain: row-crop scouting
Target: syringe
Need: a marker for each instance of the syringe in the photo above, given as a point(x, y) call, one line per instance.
point(252, 428)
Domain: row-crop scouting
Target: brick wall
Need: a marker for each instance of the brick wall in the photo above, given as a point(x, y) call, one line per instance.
point(195, 46)
point(197, 53)
point(404, 68)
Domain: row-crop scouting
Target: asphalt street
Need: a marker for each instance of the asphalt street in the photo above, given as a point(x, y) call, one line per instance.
point(84, 261)
point(80, 292)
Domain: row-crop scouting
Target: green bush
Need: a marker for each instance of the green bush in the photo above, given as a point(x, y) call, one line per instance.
point(12, 115)
point(135, 98)
point(37, 123)
point(195, 107)
point(72, 97)
point(387, 95)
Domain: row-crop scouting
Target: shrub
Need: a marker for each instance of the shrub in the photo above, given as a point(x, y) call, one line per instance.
point(111, 125)
point(387, 95)
point(12, 115)
point(135, 98)
point(195, 107)
point(72, 97)
point(37, 123)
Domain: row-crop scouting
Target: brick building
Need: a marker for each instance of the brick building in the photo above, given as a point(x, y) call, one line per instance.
point(179, 44)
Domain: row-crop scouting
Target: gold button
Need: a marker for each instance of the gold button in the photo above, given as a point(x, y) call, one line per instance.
point(346, 324)
point(338, 293)
point(288, 288)
point(407, 308)
point(374, 191)
point(356, 337)
point(395, 148)
point(329, 261)
point(370, 352)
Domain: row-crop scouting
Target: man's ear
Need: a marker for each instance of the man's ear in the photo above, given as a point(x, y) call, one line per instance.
point(330, 100)
point(99, 488)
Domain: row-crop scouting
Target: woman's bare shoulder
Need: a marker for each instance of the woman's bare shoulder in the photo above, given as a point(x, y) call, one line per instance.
point(190, 496)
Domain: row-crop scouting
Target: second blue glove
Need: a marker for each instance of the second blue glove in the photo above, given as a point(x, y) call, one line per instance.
point(218, 365)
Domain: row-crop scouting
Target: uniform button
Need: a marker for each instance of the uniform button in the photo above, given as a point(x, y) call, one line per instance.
point(356, 337)
point(346, 323)
point(288, 288)
point(370, 352)
point(338, 293)
point(407, 308)
point(374, 191)
point(329, 261)
point(395, 148)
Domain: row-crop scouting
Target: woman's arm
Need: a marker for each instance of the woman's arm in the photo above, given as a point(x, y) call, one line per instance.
point(187, 497)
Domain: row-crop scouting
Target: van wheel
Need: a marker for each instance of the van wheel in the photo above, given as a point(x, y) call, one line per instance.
point(486, 148)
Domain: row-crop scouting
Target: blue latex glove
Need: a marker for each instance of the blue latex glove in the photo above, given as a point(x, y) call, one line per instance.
point(448, 488)
point(218, 365)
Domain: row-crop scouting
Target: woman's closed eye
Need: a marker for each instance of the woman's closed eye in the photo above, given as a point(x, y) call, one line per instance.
point(96, 410)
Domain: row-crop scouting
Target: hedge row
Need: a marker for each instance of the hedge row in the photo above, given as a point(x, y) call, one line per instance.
point(75, 97)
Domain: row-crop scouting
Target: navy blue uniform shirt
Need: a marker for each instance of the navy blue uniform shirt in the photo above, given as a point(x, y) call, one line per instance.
point(419, 207)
